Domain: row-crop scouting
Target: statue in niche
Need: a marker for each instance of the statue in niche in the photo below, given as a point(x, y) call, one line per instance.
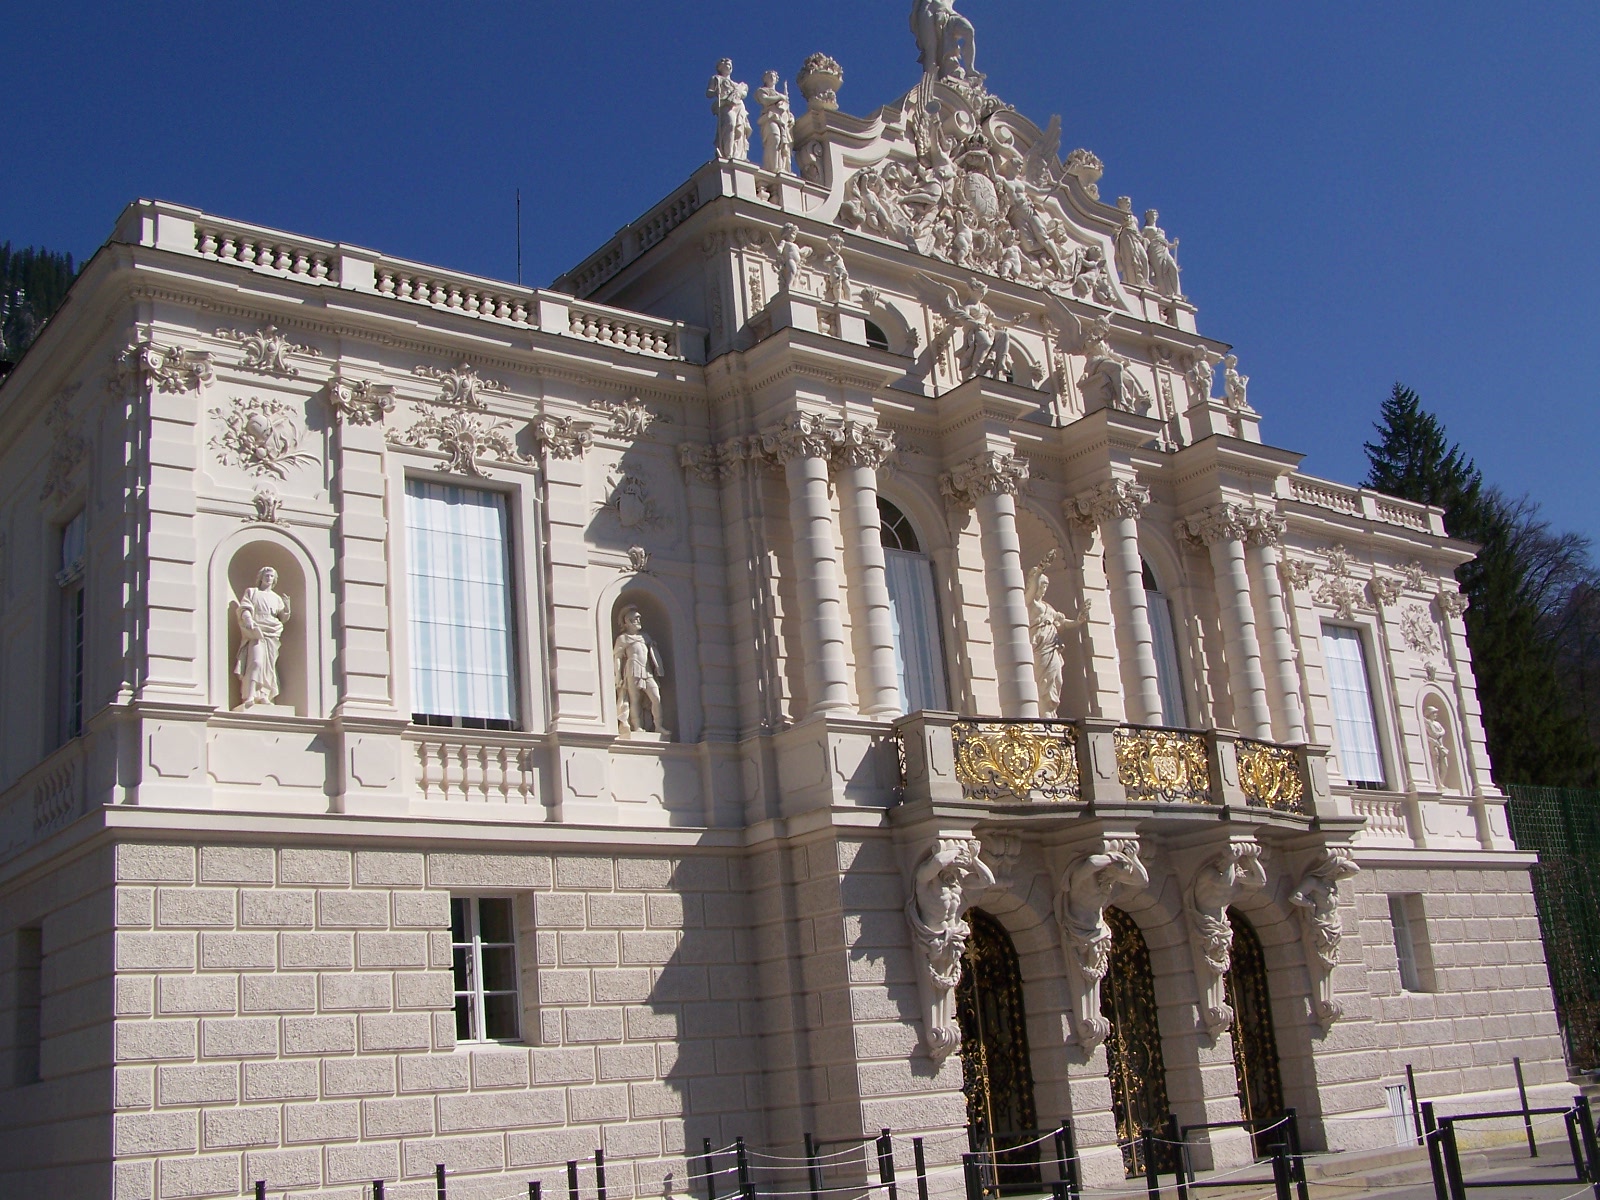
point(262, 615)
point(777, 126)
point(733, 121)
point(835, 274)
point(1438, 735)
point(1162, 255)
point(1047, 628)
point(946, 42)
point(1133, 257)
point(1234, 385)
point(638, 671)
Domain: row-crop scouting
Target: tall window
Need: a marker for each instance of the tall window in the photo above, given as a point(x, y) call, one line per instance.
point(1411, 943)
point(484, 957)
point(1169, 680)
point(1355, 721)
point(25, 1038)
point(459, 573)
point(914, 613)
point(69, 580)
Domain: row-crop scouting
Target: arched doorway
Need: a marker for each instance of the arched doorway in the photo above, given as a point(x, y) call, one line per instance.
point(996, 1072)
point(1133, 1048)
point(1255, 1044)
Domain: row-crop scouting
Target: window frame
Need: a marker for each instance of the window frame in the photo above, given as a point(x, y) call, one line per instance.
point(1169, 663)
point(474, 990)
point(71, 625)
point(514, 583)
point(896, 527)
point(1408, 924)
point(1378, 711)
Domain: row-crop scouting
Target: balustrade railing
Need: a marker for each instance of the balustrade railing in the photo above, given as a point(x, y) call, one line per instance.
point(1163, 766)
point(1022, 760)
point(472, 768)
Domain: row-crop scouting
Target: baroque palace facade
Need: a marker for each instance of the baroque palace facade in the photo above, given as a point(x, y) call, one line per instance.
point(833, 662)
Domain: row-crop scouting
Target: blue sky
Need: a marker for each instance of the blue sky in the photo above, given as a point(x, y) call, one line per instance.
point(1364, 191)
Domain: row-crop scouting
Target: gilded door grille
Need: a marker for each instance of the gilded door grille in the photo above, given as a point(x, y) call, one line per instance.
point(1255, 1044)
point(997, 1076)
point(1133, 1048)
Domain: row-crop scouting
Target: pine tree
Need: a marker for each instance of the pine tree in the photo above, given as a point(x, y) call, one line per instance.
point(33, 283)
point(1536, 735)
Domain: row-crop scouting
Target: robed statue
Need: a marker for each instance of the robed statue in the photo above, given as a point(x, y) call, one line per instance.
point(262, 616)
point(946, 43)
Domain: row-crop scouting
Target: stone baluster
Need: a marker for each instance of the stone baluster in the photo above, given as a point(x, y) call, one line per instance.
point(1115, 508)
point(861, 452)
point(1266, 534)
point(803, 444)
point(1222, 529)
point(988, 483)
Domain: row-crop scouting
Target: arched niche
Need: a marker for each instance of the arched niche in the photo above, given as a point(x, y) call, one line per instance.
point(667, 623)
point(1441, 739)
point(896, 329)
point(236, 563)
point(1039, 539)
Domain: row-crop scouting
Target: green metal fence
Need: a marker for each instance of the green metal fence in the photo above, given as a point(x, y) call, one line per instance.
point(1563, 826)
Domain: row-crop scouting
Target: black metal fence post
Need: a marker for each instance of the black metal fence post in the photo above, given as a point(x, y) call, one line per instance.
point(572, 1179)
point(600, 1173)
point(1416, 1111)
point(711, 1173)
point(1574, 1141)
point(1297, 1158)
point(921, 1162)
point(1152, 1180)
point(813, 1167)
point(1280, 1173)
point(377, 1189)
point(746, 1188)
point(261, 1189)
point(1178, 1148)
point(1430, 1139)
point(969, 1174)
point(1452, 1159)
point(1060, 1189)
point(438, 1180)
point(1075, 1182)
point(1522, 1095)
point(886, 1164)
point(1591, 1144)
point(534, 1189)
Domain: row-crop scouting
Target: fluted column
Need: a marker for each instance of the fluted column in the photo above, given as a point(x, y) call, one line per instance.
point(1266, 532)
point(1115, 508)
point(861, 452)
point(803, 444)
point(988, 483)
point(1222, 529)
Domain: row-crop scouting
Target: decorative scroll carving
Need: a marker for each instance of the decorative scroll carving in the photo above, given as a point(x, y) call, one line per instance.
point(1118, 499)
point(460, 387)
point(1270, 776)
point(628, 499)
point(267, 351)
point(1017, 760)
point(359, 401)
point(1317, 899)
point(164, 368)
point(991, 473)
point(260, 436)
point(1163, 766)
point(268, 506)
point(1416, 576)
point(1298, 572)
point(1339, 591)
point(629, 419)
point(1385, 589)
point(1418, 631)
point(463, 438)
point(561, 437)
point(1451, 603)
point(1220, 881)
point(945, 883)
point(1089, 884)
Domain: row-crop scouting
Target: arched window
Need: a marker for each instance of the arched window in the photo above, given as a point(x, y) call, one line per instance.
point(876, 337)
point(1169, 680)
point(919, 660)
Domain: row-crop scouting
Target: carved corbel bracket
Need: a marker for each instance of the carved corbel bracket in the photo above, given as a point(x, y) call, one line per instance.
point(1222, 878)
point(1316, 897)
point(946, 881)
point(1097, 876)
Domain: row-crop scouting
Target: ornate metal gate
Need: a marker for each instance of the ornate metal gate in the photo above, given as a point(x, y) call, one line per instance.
point(1255, 1044)
point(1133, 1049)
point(997, 1075)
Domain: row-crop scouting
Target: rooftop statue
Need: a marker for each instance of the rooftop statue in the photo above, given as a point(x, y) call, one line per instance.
point(777, 126)
point(733, 121)
point(946, 42)
point(1163, 256)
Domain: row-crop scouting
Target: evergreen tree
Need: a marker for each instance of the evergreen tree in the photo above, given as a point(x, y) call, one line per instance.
point(1517, 587)
point(33, 282)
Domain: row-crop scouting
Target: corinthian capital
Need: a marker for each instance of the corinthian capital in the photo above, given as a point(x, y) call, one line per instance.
point(802, 435)
point(988, 474)
point(1226, 522)
point(1266, 528)
point(863, 445)
point(1118, 499)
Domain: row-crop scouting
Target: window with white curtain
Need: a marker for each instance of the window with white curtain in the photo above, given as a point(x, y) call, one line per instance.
point(458, 570)
point(913, 612)
point(1355, 720)
point(1169, 679)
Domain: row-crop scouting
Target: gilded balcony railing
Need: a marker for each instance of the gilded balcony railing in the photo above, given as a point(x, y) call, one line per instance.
point(1271, 777)
point(1018, 760)
point(1163, 766)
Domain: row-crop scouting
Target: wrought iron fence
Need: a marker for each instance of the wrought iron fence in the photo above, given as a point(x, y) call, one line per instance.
point(1271, 776)
point(1018, 760)
point(1563, 826)
point(1163, 766)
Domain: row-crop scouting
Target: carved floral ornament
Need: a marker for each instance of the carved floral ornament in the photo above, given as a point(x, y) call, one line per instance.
point(68, 447)
point(1418, 631)
point(463, 438)
point(629, 419)
point(260, 436)
point(947, 880)
point(460, 387)
point(266, 350)
point(1114, 500)
point(1317, 899)
point(562, 437)
point(992, 473)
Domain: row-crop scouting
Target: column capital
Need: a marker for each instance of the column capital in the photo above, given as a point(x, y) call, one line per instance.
point(1116, 499)
point(991, 473)
point(802, 435)
point(1231, 521)
point(861, 444)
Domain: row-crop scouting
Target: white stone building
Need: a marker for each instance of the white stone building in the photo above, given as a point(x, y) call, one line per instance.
point(823, 424)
